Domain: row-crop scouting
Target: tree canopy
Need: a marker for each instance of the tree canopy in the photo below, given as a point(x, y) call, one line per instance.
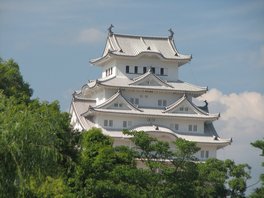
point(12, 82)
point(259, 192)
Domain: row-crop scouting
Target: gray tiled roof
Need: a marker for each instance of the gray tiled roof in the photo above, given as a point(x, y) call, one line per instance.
point(174, 86)
point(80, 106)
point(132, 46)
point(153, 112)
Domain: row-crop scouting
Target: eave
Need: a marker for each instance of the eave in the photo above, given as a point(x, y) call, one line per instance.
point(95, 111)
point(112, 55)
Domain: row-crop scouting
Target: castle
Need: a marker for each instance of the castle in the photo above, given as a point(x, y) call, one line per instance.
point(140, 90)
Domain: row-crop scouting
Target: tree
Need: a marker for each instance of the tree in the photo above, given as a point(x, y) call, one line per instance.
point(104, 170)
point(171, 173)
point(259, 192)
point(222, 178)
point(11, 81)
point(31, 143)
point(36, 139)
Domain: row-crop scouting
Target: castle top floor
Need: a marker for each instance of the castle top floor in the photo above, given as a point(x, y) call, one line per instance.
point(130, 56)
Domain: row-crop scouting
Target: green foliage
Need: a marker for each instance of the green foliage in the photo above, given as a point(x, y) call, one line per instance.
point(33, 139)
point(11, 81)
point(222, 178)
point(50, 187)
point(98, 160)
point(259, 192)
point(170, 173)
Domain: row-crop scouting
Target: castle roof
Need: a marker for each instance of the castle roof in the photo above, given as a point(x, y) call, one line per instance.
point(161, 85)
point(107, 107)
point(131, 46)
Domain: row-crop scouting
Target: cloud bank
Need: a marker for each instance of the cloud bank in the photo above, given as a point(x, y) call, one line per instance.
point(242, 118)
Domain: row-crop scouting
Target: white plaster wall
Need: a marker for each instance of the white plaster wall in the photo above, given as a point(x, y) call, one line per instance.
point(140, 121)
point(210, 148)
point(150, 99)
point(172, 68)
point(110, 64)
point(99, 96)
point(146, 99)
point(109, 93)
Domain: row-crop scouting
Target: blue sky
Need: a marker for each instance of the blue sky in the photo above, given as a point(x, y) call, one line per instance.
point(53, 41)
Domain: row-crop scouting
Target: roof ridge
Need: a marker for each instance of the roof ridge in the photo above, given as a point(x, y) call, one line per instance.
point(142, 36)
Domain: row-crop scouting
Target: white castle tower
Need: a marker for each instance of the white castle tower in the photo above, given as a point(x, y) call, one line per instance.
point(140, 90)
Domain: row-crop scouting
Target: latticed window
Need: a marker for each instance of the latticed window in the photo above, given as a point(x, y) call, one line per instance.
point(153, 70)
point(127, 69)
point(110, 123)
point(136, 69)
point(206, 154)
point(202, 154)
point(125, 124)
point(144, 70)
point(161, 71)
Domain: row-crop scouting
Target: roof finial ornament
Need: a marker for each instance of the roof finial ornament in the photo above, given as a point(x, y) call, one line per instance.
point(206, 103)
point(110, 32)
point(171, 33)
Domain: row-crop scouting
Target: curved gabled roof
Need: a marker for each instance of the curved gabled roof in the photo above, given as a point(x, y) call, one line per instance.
point(146, 112)
point(135, 46)
point(149, 74)
point(183, 99)
point(121, 82)
point(117, 95)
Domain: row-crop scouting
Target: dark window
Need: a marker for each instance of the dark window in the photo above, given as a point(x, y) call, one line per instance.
point(159, 103)
point(206, 154)
point(127, 69)
point(144, 70)
point(164, 103)
point(153, 70)
point(161, 71)
point(110, 123)
point(136, 69)
point(125, 124)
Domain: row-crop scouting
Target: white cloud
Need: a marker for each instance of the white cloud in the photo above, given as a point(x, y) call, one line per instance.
point(246, 105)
point(242, 118)
point(90, 35)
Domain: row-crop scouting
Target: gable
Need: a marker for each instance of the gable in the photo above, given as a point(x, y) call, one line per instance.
point(184, 108)
point(118, 104)
point(149, 79)
point(150, 82)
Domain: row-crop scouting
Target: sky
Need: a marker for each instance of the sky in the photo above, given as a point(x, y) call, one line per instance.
point(53, 41)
